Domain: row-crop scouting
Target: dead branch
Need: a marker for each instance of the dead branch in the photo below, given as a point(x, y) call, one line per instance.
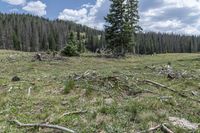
point(29, 91)
point(44, 126)
point(162, 127)
point(151, 129)
point(170, 89)
point(166, 129)
point(74, 112)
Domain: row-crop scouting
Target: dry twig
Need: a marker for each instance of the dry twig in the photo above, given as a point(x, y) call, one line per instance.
point(44, 126)
point(170, 89)
point(74, 112)
point(162, 127)
point(29, 91)
point(165, 129)
point(151, 129)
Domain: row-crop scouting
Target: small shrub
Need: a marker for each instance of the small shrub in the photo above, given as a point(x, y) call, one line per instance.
point(70, 50)
point(69, 85)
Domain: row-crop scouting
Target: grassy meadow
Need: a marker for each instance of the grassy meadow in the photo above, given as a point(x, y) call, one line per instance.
point(112, 96)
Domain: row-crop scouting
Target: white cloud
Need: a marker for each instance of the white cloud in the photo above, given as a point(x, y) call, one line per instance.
point(73, 15)
point(36, 8)
point(15, 2)
point(178, 16)
point(86, 15)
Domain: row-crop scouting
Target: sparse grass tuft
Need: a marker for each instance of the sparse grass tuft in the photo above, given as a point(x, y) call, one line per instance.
point(112, 110)
point(69, 85)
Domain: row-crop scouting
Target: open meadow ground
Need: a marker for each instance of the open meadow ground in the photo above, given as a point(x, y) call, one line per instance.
point(112, 95)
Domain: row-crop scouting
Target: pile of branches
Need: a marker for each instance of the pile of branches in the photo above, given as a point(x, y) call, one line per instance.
point(168, 71)
point(47, 57)
point(107, 83)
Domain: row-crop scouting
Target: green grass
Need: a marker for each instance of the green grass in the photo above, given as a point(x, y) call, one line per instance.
point(54, 92)
point(69, 85)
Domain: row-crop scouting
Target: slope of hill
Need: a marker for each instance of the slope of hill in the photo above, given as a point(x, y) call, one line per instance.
point(31, 33)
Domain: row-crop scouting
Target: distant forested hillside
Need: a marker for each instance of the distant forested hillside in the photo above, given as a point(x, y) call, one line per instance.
point(31, 33)
point(149, 43)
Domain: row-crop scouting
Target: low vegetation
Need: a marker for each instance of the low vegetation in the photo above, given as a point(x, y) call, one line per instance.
point(90, 94)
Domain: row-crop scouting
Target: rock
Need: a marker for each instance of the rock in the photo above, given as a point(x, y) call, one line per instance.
point(15, 79)
point(109, 101)
point(183, 123)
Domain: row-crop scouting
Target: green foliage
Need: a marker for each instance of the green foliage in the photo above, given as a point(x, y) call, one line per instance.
point(69, 85)
point(122, 22)
point(31, 33)
point(71, 48)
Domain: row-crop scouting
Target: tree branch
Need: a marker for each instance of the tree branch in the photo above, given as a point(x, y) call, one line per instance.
point(162, 127)
point(44, 126)
point(150, 129)
point(74, 112)
point(170, 89)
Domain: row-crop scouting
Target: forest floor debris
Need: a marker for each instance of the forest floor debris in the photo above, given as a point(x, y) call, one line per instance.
point(169, 71)
point(183, 123)
point(48, 57)
point(161, 127)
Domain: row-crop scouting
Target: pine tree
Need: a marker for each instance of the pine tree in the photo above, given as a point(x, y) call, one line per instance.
point(71, 48)
point(122, 25)
point(113, 31)
point(133, 18)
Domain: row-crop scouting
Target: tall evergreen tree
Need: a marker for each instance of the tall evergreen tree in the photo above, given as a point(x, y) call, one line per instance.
point(113, 30)
point(122, 23)
point(133, 19)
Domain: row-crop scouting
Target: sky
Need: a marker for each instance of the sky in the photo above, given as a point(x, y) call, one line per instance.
point(170, 16)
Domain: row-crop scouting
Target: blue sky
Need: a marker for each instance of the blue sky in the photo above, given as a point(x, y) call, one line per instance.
point(177, 16)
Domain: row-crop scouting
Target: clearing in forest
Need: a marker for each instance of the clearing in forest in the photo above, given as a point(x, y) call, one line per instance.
point(91, 94)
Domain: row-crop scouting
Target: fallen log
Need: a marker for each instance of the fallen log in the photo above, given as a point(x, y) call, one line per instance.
point(170, 89)
point(44, 126)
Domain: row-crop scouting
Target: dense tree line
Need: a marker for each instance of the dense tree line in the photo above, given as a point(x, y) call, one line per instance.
point(31, 33)
point(149, 43)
